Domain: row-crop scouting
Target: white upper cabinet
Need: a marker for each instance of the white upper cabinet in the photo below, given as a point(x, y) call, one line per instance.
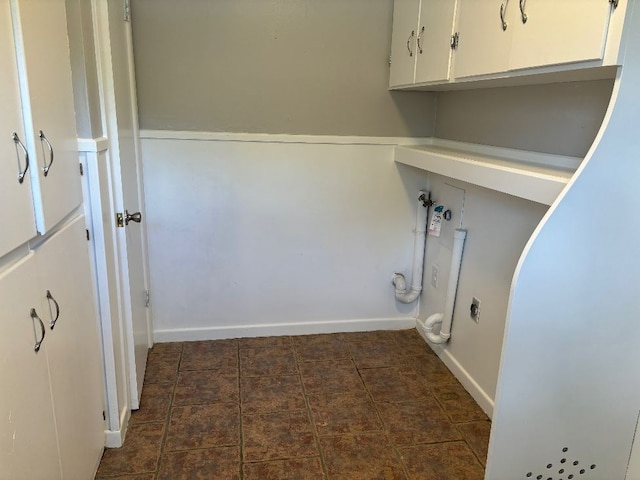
point(40, 30)
point(434, 40)
point(495, 39)
point(16, 208)
point(403, 42)
point(549, 32)
point(484, 28)
point(421, 41)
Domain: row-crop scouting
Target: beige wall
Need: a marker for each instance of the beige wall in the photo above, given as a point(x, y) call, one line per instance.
point(272, 66)
point(561, 118)
point(498, 227)
point(83, 66)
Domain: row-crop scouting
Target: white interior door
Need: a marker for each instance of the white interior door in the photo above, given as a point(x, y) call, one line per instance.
point(16, 208)
point(124, 144)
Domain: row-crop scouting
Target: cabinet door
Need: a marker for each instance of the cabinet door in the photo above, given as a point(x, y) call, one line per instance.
point(403, 42)
point(28, 448)
point(559, 32)
point(45, 71)
point(483, 46)
point(73, 351)
point(434, 35)
point(16, 208)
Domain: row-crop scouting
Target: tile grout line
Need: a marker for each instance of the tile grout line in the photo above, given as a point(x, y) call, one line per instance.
point(482, 463)
point(386, 432)
point(169, 413)
point(305, 395)
point(241, 439)
point(455, 425)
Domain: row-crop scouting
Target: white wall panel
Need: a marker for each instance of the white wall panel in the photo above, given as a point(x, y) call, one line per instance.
point(264, 238)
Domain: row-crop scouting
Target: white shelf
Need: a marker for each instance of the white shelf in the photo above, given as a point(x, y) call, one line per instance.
point(534, 176)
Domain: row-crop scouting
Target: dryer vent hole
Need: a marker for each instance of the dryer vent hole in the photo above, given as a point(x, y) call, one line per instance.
point(565, 468)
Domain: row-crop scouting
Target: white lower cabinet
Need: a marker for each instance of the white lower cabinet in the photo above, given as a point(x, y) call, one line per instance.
point(28, 446)
point(72, 348)
point(52, 400)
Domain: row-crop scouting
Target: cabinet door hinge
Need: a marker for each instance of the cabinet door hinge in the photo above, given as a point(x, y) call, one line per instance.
point(81, 169)
point(147, 298)
point(127, 10)
point(120, 220)
point(455, 40)
point(104, 415)
point(88, 234)
point(614, 3)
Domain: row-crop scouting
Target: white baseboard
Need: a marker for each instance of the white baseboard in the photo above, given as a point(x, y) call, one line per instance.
point(115, 438)
point(467, 381)
point(276, 329)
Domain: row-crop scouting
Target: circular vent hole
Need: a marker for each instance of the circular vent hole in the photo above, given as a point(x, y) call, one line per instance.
point(565, 449)
point(593, 467)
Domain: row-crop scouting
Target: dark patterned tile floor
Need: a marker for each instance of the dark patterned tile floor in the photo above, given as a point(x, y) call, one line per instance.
point(367, 405)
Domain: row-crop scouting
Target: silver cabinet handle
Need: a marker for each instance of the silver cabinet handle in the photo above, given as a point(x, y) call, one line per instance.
point(413, 33)
point(34, 317)
point(47, 167)
point(523, 15)
point(21, 173)
point(50, 299)
point(419, 37)
point(503, 12)
point(132, 217)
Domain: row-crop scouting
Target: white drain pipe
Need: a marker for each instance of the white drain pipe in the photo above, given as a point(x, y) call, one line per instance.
point(402, 295)
point(445, 319)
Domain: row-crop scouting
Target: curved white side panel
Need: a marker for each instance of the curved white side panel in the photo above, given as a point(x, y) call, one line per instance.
point(569, 387)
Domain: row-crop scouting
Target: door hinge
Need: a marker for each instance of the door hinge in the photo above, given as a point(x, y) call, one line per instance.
point(147, 298)
point(120, 220)
point(614, 3)
point(455, 40)
point(88, 234)
point(81, 169)
point(104, 415)
point(389, 59)
point(127, 10)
